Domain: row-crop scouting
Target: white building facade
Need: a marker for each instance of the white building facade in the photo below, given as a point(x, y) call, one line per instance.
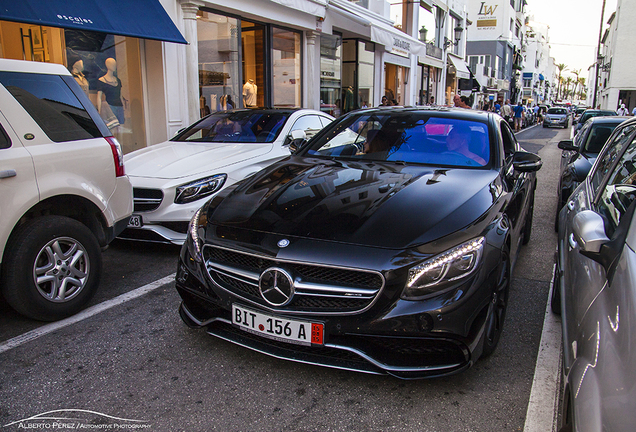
point(616, 82)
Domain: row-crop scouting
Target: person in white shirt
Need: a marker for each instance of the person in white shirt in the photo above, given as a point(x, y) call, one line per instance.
point(622, 111)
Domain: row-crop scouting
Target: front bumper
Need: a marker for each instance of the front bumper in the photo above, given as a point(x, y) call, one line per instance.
point(407, 339)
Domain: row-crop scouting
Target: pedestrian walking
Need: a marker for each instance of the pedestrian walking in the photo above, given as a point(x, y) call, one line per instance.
point(518, 113)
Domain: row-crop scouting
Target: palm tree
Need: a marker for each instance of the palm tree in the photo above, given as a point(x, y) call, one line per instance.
point(561, 67)
point(568, 81)
point(576, 73)
point(582, 94)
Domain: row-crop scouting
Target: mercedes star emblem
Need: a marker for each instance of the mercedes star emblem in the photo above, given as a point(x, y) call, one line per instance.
point(276, 286)
point(283, 243)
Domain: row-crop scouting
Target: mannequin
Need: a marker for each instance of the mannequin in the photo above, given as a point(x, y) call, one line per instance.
point(249, 93)
point(77, 70)
point(110, 87)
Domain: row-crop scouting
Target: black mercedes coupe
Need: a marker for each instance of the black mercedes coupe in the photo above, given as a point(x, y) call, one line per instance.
point(385, 244)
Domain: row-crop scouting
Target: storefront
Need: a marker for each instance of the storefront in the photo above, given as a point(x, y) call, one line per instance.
point(246, 64)
point(104, 53)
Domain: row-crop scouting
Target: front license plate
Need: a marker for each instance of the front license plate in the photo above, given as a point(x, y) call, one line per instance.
point(135, 222)
point(281, 329)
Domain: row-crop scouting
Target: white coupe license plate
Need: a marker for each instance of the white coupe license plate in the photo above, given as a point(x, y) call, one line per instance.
point(135, 222)
point(282, 329)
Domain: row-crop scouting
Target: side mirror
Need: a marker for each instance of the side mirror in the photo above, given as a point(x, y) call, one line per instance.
point(296, 140)
point(568, 145)
point(588, 231)
point(526, 162)
point(581, 169)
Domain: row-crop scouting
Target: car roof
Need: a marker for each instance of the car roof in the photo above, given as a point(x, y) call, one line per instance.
point(608, 119)
point(10, 65)
point(468, 114)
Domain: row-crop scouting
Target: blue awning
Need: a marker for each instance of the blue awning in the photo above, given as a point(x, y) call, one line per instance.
point(144, 19)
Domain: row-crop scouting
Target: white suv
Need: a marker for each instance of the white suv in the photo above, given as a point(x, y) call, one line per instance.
point(63, 190)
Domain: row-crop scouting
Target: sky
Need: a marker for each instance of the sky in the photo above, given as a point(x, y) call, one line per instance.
point(573, 29)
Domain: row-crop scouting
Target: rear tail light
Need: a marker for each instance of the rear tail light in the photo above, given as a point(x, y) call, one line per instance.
point(118, 156)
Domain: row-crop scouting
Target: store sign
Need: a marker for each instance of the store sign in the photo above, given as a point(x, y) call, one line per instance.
point(401, 47)
point(487, 19)
point(74, 19)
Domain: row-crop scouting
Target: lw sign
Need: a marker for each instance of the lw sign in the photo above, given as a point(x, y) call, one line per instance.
point(487, 18)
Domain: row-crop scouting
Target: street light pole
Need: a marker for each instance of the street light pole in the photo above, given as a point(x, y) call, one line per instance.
point(598, 56)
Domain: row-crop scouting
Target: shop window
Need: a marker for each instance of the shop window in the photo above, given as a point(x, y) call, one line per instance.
point(253, 49)
point(330, 74)
point(219, 85)
point(357, 74)
point(108, 68)
point(286, 68)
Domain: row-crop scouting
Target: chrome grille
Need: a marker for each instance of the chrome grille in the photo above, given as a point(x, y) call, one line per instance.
point(146, 199)
point(318, 288)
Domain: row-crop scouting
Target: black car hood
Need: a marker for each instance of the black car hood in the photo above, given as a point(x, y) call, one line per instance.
point(372, 204)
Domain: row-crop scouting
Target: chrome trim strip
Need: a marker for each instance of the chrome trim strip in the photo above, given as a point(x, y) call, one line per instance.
point(232, 272)
point(296, 312)
point(323, 288)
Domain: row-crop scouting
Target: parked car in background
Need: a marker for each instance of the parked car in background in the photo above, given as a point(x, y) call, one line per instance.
point(579, 154)
point(577, 114)
point(384, 245)
point(588, 114)
point(595, 291)
point(173, 179)
point(63, 190)
point(557, 116)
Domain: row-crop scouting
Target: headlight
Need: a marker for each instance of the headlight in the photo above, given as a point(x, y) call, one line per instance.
point(196, 227)
point(199, 189)
point(434, 274)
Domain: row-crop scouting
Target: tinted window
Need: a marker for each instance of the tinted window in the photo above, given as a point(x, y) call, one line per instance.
point(5, 142)
point(597, 138)
point(237, 126)
point(309, 123)
point(557, 111)
point(608, 156)
point(409, 138)
point(509, 142)
point(52, 104)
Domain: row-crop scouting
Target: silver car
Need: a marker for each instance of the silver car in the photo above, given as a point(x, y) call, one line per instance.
point(556, 117)
point(595, 291)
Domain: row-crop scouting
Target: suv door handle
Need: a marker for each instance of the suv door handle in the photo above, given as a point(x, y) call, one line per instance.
point(8, 173)
point(571, 205)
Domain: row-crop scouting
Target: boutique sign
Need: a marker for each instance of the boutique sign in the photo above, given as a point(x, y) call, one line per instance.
point(401, 47)
point(486, 16)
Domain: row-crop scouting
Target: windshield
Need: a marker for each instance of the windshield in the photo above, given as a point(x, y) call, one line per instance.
point(238, 126)
point(406, 138)
point(557, 111)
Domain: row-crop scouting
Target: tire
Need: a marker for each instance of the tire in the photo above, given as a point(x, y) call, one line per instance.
point(527, 228)
point(497, 307)
point(52, 268)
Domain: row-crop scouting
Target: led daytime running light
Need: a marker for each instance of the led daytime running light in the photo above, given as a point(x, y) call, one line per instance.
point(445, 258)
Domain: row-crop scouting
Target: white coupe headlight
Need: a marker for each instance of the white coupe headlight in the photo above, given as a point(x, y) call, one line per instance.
point(432, 275)
point(199, 189)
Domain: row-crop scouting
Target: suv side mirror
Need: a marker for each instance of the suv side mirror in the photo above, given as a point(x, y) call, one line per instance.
point(568, 145)
point(526, 162)
point(296, 140)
